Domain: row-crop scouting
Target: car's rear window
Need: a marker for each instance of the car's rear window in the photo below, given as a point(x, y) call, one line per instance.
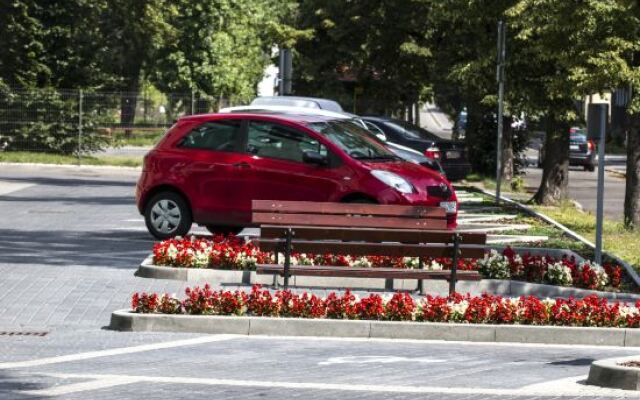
point(578, 138)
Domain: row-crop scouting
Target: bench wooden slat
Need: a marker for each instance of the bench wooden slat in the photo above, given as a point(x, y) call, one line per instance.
point(352, 221)
point(355, 272)
point(309, 207)
point(370, 234)
point(371, 249)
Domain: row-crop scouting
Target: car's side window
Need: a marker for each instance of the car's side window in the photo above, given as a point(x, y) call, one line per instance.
point(267, 139)
point(373, 128)
point(220, 135)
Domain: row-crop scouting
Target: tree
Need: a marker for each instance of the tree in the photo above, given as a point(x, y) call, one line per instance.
point(378, 46)
point(21, 42)
point(463, 36)
point(133, 31)
point(630, 77)
point(567, 50)
point(217, 48)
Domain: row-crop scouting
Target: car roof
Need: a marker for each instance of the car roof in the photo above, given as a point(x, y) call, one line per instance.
point(298, 101)
point(293, 117)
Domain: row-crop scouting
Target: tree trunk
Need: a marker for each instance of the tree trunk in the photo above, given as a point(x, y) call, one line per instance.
point(555, 173)
point(632, 191)
point(507, 151)
point(128, 100)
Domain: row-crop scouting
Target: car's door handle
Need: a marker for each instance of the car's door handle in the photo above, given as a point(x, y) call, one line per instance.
point(242, 164)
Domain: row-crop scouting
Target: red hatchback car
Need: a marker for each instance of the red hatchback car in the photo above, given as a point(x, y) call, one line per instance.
point(208, 168)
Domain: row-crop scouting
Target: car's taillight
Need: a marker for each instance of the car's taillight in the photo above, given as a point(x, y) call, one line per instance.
point(591, 146)
point(432, 153)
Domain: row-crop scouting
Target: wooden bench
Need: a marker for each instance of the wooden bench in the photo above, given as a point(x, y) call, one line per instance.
point(362, 230)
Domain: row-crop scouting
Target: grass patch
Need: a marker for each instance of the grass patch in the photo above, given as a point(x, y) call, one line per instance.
point(489, 183)
point(60, 159)
point(137, 138)
point(616, 239)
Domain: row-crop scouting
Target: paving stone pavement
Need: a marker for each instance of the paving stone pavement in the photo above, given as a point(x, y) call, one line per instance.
point(69, 244)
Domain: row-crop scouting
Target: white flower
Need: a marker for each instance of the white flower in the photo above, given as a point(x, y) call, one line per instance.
point(626, 311)
point(559, 274)
point(494, 265)
point(459, 308)
point(603, 278)
point(411, 262)
point(361, 262)
point(434, 266)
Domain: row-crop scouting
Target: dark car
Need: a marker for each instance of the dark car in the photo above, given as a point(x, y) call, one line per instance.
point(450, 154)
point(582, 151)
point(404, 152)
point(208, 168)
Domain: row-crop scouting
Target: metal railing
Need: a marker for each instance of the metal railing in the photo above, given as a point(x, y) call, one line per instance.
point(83, 124)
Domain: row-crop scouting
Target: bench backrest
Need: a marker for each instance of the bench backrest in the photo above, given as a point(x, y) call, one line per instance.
point(361, 229)
point(303, 213)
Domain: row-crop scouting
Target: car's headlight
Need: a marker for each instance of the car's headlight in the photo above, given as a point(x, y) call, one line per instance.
point(394, 180)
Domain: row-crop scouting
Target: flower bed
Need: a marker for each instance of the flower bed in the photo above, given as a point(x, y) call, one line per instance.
point(231, 252)
point(591, 311)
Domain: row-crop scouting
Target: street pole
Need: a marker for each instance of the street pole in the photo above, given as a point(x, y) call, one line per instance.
point(285, 72)
point(600, 189)
point(500, 78)
point(80, 127)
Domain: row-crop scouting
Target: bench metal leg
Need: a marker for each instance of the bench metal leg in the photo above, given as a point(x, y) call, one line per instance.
point(420, 288)
point(275, 276)
point(287, 257)
point(454, 266)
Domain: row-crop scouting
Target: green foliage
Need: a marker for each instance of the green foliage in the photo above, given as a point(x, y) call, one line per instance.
point(22, 50)
point(380, 45)
point(218, 48)
point(52, 123)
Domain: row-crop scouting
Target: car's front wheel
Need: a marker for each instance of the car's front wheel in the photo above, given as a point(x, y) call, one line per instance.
point(166, 215)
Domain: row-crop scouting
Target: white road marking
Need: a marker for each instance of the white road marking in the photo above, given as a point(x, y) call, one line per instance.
point(439, 342)
point(115, 352)
point(93, 384)
point(563, 387)
point(379, 360)
point(7, 187)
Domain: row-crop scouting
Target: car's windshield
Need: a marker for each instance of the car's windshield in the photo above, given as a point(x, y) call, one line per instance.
point(352, 139)
point(410, 130)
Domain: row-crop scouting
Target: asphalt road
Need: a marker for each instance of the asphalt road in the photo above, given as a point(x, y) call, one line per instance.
point(583, 185)
point(70, 240)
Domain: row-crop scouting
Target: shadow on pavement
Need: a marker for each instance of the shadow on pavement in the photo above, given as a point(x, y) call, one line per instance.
point(100, 200)
point(111, 249)
point(69, 182)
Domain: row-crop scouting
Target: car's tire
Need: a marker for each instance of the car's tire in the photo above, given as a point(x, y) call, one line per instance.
point(167, 214)
point(361, 200)
point(224, 230)
point(590, 167)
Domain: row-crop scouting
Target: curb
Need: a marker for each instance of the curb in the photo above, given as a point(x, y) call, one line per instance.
point(125, 320)
point(628, 268)
point(74, 166)
point(608, 373)
point(616, 172)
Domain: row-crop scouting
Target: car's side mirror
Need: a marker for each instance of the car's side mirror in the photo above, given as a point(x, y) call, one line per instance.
point(313, 157)
point(381, 136)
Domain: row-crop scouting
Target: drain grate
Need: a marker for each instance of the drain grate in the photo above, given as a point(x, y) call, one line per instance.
point(23, 333)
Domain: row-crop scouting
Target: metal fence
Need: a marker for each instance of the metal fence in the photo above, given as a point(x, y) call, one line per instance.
point(88, 124)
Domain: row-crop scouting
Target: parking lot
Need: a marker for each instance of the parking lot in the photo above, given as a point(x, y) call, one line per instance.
point(70, 241)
